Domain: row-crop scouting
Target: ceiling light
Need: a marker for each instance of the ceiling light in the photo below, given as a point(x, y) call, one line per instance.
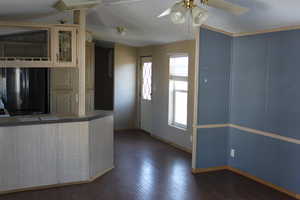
point(178, 13)
point(121, 30)
point(199, 16)
point(187, 9)
point(62, 21)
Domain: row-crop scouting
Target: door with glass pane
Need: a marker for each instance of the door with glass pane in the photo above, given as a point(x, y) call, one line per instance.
point(65, 47)
point(146, 94)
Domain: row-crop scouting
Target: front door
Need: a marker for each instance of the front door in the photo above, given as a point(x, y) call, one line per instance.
point(146, 94)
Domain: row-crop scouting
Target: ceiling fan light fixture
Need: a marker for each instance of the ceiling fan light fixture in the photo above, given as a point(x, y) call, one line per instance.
point(121, 30)
point(195, 10)
point(178, 17)
point(178, 13)
point(199, 15)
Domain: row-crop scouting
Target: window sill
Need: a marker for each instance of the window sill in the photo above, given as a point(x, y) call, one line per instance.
point(178, 127)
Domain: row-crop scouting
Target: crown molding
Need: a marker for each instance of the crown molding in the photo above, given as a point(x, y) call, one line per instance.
point(241, 34)
point(279, 29)
point(217, 30)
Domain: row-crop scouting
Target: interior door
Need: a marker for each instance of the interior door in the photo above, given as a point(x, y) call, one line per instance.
point(146, 94)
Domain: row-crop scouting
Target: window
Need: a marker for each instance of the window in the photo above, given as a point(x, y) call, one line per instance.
point(147, 81)
point(178, 91)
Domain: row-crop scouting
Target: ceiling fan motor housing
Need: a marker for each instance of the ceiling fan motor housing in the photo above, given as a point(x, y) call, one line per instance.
point(189, 3)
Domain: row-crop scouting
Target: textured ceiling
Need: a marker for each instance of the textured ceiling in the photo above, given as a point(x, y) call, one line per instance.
point(143, 26)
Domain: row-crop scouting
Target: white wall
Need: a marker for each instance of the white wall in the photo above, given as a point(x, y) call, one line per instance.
point(125, 87)
point(160, 95)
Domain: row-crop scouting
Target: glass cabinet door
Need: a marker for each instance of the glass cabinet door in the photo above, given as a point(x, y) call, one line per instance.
point(65, 47)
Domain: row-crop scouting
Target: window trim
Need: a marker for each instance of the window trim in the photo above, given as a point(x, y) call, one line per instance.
point(171, 113)
point(176, 124)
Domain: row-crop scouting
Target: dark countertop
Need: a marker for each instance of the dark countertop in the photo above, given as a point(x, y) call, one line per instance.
point(51, 118)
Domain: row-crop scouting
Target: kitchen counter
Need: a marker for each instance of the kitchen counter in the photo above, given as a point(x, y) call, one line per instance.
point(51, 118)
point(45, 151)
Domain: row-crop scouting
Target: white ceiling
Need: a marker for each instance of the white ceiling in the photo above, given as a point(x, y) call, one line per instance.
point(143, 26)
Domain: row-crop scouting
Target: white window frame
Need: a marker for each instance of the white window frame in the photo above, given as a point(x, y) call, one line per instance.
point(172, 99)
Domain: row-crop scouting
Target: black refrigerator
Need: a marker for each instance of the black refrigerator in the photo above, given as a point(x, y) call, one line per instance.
point(25, 91)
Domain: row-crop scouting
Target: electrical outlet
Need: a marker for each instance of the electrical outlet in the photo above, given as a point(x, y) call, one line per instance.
point(232, 153)
point(191, 138)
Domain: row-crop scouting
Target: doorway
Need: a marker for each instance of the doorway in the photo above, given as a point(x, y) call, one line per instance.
point(146, 94)
point(104, 76)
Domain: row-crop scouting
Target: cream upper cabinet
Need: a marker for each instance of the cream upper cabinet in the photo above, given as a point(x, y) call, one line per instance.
point(65, 46)
point(25, 46)
point(38, 46)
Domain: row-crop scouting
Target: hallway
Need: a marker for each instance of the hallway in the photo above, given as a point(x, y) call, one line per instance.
point(147, 169)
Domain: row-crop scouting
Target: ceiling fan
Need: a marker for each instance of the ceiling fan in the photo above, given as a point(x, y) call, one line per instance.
point(221, 4)
point(178, 12)
point(196, 9)
point(199, 13)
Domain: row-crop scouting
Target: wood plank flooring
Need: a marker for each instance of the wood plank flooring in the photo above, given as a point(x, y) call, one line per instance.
point(147, 169)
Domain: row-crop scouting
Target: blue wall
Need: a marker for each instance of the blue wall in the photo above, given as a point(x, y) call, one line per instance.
point(213, 108)
point(270, 159)
point(265, 83)
point(264, 94)
point(214, 77)
point(212, 148)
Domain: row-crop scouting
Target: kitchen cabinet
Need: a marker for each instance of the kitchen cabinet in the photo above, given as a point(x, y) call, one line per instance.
point(34, 46)
point(25, 47)
point(65, 46)
point(63, 90)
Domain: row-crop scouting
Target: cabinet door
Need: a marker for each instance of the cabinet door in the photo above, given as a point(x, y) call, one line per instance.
point(63, 102)
point(63, 91)
point(65, 48)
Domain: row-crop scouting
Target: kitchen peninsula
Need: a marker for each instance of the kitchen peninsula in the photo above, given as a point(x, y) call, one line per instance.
point(49, 150)
point(50, 134)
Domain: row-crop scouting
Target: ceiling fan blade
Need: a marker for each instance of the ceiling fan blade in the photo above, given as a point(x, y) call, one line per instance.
point(229, 7)
point(112, 3)
point(165, 13)
point(29, 16)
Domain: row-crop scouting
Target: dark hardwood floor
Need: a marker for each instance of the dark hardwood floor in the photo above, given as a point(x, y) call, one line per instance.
point(147, 169)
